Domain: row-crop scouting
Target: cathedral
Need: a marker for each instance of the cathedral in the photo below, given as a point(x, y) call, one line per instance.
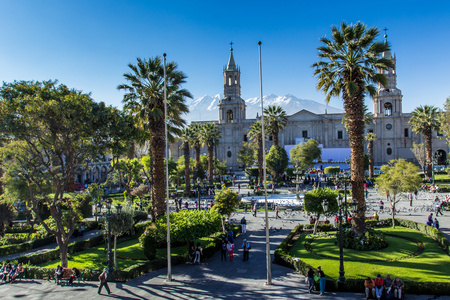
point(391, 126)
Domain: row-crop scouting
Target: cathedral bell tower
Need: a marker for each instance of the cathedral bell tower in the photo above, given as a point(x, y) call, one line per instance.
point(388, 101)
point(232, 106)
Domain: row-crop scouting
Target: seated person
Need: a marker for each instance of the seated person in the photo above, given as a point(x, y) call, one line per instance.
point(75, 274)
point(379, 286)
point(2, 269)
point(370, 286)
point(398, 285)
point(11, 273)
point(58, 273)
point(6, 271)
point(388, 284)
point(16, 274)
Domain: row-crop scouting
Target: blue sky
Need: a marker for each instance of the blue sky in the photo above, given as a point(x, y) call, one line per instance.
point(88, 44)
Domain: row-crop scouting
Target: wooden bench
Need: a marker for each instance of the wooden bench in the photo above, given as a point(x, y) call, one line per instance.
point(66, 275)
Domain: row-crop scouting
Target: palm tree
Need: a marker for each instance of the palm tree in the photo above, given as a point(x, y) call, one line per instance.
point(209, 137)
point(347, 65)
point(425, 119)
point(255, 134)
point(196, 128)
point(187, 136)
point(370, 137)
point(368, 117)
point(144, 98)
point(276, 121)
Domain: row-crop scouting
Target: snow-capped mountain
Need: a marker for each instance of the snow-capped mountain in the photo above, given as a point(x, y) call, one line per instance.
point(205, 108)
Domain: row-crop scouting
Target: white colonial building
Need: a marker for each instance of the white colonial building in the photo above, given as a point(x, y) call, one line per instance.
point(390, 124)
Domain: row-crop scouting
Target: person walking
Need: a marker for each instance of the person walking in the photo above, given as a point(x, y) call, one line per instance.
point(310, 280)
point(244, 225)
point(223, 251)
point(230, 249)
point(103, 278)
point(198, 253)
point(322, 280)
point(246, 248)
point(277, 211)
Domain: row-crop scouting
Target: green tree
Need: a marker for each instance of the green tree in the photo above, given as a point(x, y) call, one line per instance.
point(196, 144)
point(370, 137)
point(399, 176)
point(144, 98)
point(120, 224)
point(425, 119)
point(277, 161)
point(247, 154)
point(53, 130)
point(332, 170)
point(7, 215)
point(314, 200)
point(129, 174)
point(303, 155)
point(187, 137)
point(276, 120)
point(210, 136)
point(255, 135)
point(225, 202)
point(347, 66)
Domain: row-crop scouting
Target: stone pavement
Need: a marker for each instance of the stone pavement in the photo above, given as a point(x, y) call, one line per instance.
point(215, 279)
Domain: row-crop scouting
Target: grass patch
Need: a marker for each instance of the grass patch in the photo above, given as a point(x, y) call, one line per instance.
point(95, 258)
point(430, 265)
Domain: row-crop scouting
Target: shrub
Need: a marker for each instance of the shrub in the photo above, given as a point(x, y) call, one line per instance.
point(140, 216)
point(371, 240)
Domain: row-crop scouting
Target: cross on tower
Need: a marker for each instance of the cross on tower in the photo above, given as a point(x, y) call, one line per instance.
point(231, 44)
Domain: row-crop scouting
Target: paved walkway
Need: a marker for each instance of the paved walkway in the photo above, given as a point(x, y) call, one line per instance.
point(214, 279)
point(87, 235)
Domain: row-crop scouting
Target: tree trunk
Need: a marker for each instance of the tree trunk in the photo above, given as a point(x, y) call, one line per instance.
point(187, 171)
point(197, 160)
point(260, 161)
point(393, 210)
point(63, 249)
point(354, 110)
point(157, 146)
point(131, 153)
point(370, 148)
point(210, 164)
point(275, 138)
point(427, 134)
point(316, 223)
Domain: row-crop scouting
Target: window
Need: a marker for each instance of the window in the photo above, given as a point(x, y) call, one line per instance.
point(371, 130)
point(305, 134)
point(406, 132)
point(340, 135)
point(389, 151)
point(245, 138)
point(229, 80)
point(229, 154)
point(229, 116)
point(388, 109)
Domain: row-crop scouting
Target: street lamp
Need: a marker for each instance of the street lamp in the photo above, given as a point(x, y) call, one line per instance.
point(108, 214)
point(296, 172)
point(341, 248)
point(198, 192)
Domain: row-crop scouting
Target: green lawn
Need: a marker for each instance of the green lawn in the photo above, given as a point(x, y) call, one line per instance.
point(95, 258)
point(431, 265)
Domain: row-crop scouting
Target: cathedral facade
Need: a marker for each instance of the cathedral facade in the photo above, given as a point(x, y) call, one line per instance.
point(391, 126)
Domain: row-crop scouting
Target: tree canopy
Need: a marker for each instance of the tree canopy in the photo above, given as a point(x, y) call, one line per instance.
point(303, 155)
point(277, 161)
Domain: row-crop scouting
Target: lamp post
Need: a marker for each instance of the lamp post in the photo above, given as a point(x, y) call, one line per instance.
point(341, 248)
point(198, 193)
point(108, 214)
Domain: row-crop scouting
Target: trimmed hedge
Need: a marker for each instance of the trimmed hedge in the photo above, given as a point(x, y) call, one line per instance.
point(282, 257)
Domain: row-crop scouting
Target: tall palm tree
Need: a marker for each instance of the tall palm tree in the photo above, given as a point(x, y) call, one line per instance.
point(368, 117)
point(209, 137)
point(196, 128)
point(425, 119)
point(144, 97)
point(347, 66)
point(255, 134)
point(276, 121)
point(187, 136)
point(370, 137)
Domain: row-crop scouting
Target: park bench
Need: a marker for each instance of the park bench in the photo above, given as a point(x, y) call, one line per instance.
point(65, 277)
point(320, 222)
point(372, 218)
